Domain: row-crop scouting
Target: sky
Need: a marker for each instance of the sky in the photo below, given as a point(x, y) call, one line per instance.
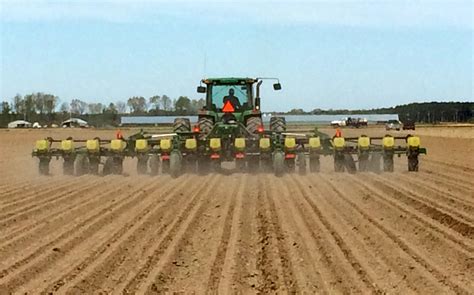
point(327, 54)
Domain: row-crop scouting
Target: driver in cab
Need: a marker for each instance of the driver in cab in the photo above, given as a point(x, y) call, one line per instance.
point(232, 99)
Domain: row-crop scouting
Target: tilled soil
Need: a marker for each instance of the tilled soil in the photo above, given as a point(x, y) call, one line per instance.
point(316, 233)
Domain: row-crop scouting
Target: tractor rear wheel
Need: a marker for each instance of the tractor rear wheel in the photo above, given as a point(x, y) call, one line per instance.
point(205, 126)
point(278, 163)
point(278, 124)
point(253, 123)
point(154, 163)
point(181, 125)
point(175, 163)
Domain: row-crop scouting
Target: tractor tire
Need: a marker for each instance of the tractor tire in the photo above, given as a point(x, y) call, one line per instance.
point(301, 162)
point(175, 163)
point(413, 163)
point(154, 164)
point(253, 123)
point(205, 126)
point(314, 164)
point(339, 163)
point(81, 165)
point(350, 164)
point(44, 165)
point(278, 163)
point(278, 124)
point(142, 167)
point(68, 166)
point(388, 163)
point(181, 125)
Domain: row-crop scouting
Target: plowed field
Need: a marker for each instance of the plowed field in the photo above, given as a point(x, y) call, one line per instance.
point(318, 233)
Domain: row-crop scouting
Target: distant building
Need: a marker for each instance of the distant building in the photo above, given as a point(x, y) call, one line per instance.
point(75, 122)
point(19, 124)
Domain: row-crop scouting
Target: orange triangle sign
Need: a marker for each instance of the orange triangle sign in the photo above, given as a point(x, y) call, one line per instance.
point(228, 107)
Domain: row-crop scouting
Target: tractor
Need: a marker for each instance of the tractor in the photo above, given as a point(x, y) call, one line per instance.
point(229, 128)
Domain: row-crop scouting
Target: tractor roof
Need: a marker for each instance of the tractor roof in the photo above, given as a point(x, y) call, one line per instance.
point(228, 80)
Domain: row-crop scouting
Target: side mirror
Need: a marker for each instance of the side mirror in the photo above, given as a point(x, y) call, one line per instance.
point(277, 86)
point(201, 89)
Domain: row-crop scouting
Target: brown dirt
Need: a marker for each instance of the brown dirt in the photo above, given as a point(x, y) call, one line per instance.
point(319, 233)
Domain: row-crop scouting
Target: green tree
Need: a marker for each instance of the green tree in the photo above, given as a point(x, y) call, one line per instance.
point(78, 106)
point(111, 109)
point(64, 107)
point(121, 107)
point(6, 109)
point(137, 104)
point(166, 102)
point(183, 104)
point(19, 104)
point(155, 102)
point(50, 102)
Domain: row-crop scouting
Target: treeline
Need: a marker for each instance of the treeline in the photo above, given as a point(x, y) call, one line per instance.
point(48, 108)
point(43, 103)
point(426, 112)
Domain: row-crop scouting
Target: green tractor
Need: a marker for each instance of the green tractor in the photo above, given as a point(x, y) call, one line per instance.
point(230, 124)
point(231, 101)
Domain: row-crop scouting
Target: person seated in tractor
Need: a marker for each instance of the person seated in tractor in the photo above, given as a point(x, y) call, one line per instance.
point(232, 99)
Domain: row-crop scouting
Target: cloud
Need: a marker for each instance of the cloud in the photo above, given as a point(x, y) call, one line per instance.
point(458, 14)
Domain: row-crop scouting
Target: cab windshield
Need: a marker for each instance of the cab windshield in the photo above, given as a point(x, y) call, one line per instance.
point(220, 93)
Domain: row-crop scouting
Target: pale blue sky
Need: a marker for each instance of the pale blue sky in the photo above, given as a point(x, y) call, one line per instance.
point(333, 54)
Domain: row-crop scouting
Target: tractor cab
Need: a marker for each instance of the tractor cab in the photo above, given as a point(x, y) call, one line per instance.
point(233, 101)
point(225, 95)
